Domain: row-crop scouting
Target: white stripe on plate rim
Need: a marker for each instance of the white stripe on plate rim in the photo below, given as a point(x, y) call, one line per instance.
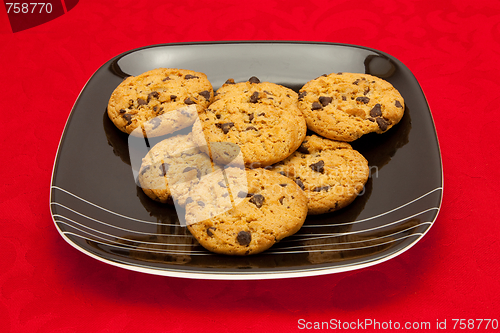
point(190, 245)
point(347, 234)
point(305, 226)
point(123, 246)
point(111, 225)
point(297, 237)
point(347, 249)
point(105, 209)
point(307, 237)
point(114, 236)
point(376, 216)
point(202, 252)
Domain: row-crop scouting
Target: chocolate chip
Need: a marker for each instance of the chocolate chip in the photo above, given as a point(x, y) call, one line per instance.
point(209, 231)
point(283, 173)
point(189, 200)
point(255, 97)
point(253, 79)
point(164, 169)
point(383, 124)
point(225, 127)
point(244, 238)
point(242, 194)
point(344, 98)
point(367, 90)
point(251, 128)
point(303, 149)
point(250, 117)
point(123, 110)
point(189, 101)
point(318, 166)
point(257, 200)
point(364, 100)
point(200, 203)
point(205, 94)
point(155, 108)
point(173, 98)
point(283, 185)
point(356, 82)
point(145, 169)
point(300, 183)
point(229, 81)
point(398, 104)
point(189, 77)
point(376, 111)
point(167, 78)
point(316, 106)
point(141, 101)
point(302, 94)
point(155, 122)
point(325, 100)
point(128, 118)
point(281, 200)
point(193, 168)
point(153, 94)
point(261, 114)
point(321, 188)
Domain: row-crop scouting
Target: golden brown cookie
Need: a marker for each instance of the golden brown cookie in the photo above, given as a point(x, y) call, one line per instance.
point(172, 168)
point(156, 102)
point(260, 118)
point(331, 173)
point(345, 106)
point(261, 209)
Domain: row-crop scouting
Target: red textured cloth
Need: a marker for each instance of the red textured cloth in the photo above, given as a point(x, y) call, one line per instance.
point(451, 46)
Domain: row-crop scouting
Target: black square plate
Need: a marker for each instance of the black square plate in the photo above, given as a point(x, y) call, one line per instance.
point(98, 208)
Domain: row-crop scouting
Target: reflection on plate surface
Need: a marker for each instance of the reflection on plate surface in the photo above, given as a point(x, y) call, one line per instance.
point(98, 208)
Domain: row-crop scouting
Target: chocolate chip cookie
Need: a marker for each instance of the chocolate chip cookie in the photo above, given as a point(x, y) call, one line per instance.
point(261, 119)
point(172, 168)
point(331, 173)
point(261, 209)
point(345, 106)
point(155, 103)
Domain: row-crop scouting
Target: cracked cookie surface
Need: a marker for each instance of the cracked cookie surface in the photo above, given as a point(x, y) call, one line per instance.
point(158, 102)
point(331, 173)
point(345, 106)
point(262, 208)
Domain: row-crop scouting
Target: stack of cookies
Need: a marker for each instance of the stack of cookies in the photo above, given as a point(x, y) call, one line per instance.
point(245, 167)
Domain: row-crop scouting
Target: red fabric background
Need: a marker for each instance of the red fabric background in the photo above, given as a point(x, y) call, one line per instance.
point(452, 47)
